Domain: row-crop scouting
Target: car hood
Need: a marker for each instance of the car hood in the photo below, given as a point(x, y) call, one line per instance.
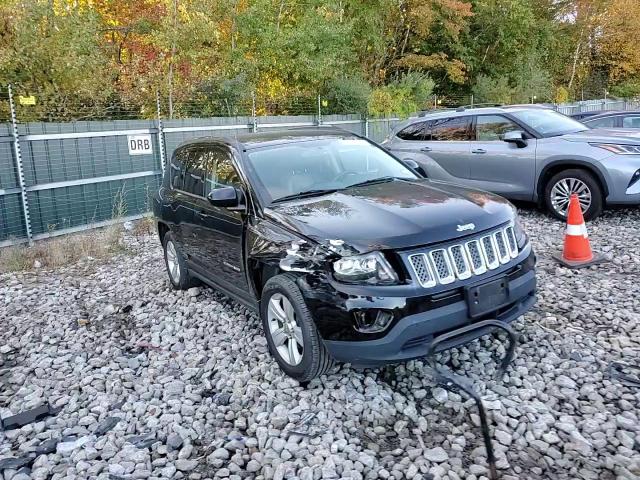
point(606, 135)
point(393, 215)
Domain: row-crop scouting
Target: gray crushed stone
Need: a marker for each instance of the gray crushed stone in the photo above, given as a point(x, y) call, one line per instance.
point(156, 383)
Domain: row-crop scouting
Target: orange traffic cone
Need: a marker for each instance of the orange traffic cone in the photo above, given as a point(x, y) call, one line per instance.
point(577, 250)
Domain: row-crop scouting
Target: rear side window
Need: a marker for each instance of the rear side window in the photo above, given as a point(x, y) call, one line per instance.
point(176, 171)
point(493, 127)
point(631, 122)
point(414, 132)
point(606, 122)
point(450, 129)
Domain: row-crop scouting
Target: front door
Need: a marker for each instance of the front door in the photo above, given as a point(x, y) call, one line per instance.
point(219, 231)
point(498, 166)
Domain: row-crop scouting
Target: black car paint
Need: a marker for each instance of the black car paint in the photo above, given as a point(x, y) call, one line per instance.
point(237, 251)
point(406, 213)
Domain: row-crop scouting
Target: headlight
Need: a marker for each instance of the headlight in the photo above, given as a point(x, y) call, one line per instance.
point(619, 149)
point(521, 235)
point(370, 268)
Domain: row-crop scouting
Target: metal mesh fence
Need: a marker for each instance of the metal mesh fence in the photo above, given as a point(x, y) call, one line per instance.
point(12, 225)
point(48, 106)
point(87, 162)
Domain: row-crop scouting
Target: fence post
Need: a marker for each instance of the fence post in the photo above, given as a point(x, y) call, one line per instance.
point(163, 158)
point(254, 118)
point(319, 119)
point(365, 118)
point(18, 155)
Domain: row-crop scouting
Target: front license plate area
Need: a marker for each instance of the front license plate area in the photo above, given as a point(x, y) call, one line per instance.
point(487, 297)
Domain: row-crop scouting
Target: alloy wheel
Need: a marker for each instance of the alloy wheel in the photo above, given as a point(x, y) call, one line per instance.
point(562, 191)
point(172, 262)
point(284, 329)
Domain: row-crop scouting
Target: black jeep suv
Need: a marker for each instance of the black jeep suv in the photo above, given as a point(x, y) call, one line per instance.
point(346, 252)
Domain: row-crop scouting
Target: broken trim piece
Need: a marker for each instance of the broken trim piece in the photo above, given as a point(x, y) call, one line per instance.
point(451, 381)
point(29, 416)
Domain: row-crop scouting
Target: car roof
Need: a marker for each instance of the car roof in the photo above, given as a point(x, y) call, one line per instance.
point(462, 112)
point(248, 141)
point(613, 113)
point(459, 112)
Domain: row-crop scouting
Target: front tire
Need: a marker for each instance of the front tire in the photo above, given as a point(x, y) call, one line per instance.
point(560, 187)
point(290, 330)
point(176, 265)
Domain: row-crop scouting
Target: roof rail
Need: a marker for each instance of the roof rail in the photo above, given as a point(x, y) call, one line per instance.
point(483, 105)
point(422, 113)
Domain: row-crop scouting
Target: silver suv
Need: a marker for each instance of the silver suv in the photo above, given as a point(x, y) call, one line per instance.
point(525, 153)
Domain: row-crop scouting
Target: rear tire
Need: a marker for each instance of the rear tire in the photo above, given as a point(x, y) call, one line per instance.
point(176, 266)
point(286, 320)
point(562, 184)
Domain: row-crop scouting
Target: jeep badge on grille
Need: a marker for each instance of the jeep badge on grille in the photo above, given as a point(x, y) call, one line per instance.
point(465, 227)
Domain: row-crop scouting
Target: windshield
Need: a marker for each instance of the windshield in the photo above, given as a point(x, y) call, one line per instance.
point(322, 165)
point(548, 123)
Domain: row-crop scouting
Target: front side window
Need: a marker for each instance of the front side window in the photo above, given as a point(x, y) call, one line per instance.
point(194, 172)
point(450, 129)
point(323, 164)
point(220, 169)
point(631, 122)
point(490, 128)
point(607, 122)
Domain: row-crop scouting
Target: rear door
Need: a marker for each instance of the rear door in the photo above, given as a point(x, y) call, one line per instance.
point(189, 192)
point(179, 213)
point(631, 121)
point(440, 146)
point(498, 166)
point(611, 121)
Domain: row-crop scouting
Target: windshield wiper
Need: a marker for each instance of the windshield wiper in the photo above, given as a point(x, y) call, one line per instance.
point(375, 180)
point(306, 193)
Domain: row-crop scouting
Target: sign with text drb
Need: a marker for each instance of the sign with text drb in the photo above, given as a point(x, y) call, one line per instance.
point(140, 144)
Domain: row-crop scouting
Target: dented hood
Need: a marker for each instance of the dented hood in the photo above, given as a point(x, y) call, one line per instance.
point(393, 215)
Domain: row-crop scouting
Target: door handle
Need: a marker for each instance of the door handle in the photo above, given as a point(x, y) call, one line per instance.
point(425, 149)
point(478, 150)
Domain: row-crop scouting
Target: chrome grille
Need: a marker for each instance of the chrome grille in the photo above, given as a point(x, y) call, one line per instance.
point(511, 241)
point(475, 255)
point(501, 245)
point(442, 266)
point(489, 252)
point(462, 260)
point(421, 268)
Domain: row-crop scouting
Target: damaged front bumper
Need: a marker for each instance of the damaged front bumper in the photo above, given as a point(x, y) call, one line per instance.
point(417, 318)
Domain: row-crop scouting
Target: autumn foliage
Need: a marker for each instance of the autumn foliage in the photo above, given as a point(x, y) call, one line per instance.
point(357, 54)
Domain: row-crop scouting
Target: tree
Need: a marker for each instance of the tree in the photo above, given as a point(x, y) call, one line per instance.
point(492, 90)
point(57, 56)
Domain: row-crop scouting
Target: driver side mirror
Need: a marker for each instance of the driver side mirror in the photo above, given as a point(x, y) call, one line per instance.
point(517, 137)
point(226, 197)
point(415, 166)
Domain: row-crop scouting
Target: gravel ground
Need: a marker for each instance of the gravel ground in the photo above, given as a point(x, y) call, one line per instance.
point(154, 383)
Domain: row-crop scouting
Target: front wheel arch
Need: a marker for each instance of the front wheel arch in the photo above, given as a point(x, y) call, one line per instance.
point(558, 166)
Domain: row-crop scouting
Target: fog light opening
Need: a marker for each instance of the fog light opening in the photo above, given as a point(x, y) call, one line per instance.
point(372, 321)
point(634, 178)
